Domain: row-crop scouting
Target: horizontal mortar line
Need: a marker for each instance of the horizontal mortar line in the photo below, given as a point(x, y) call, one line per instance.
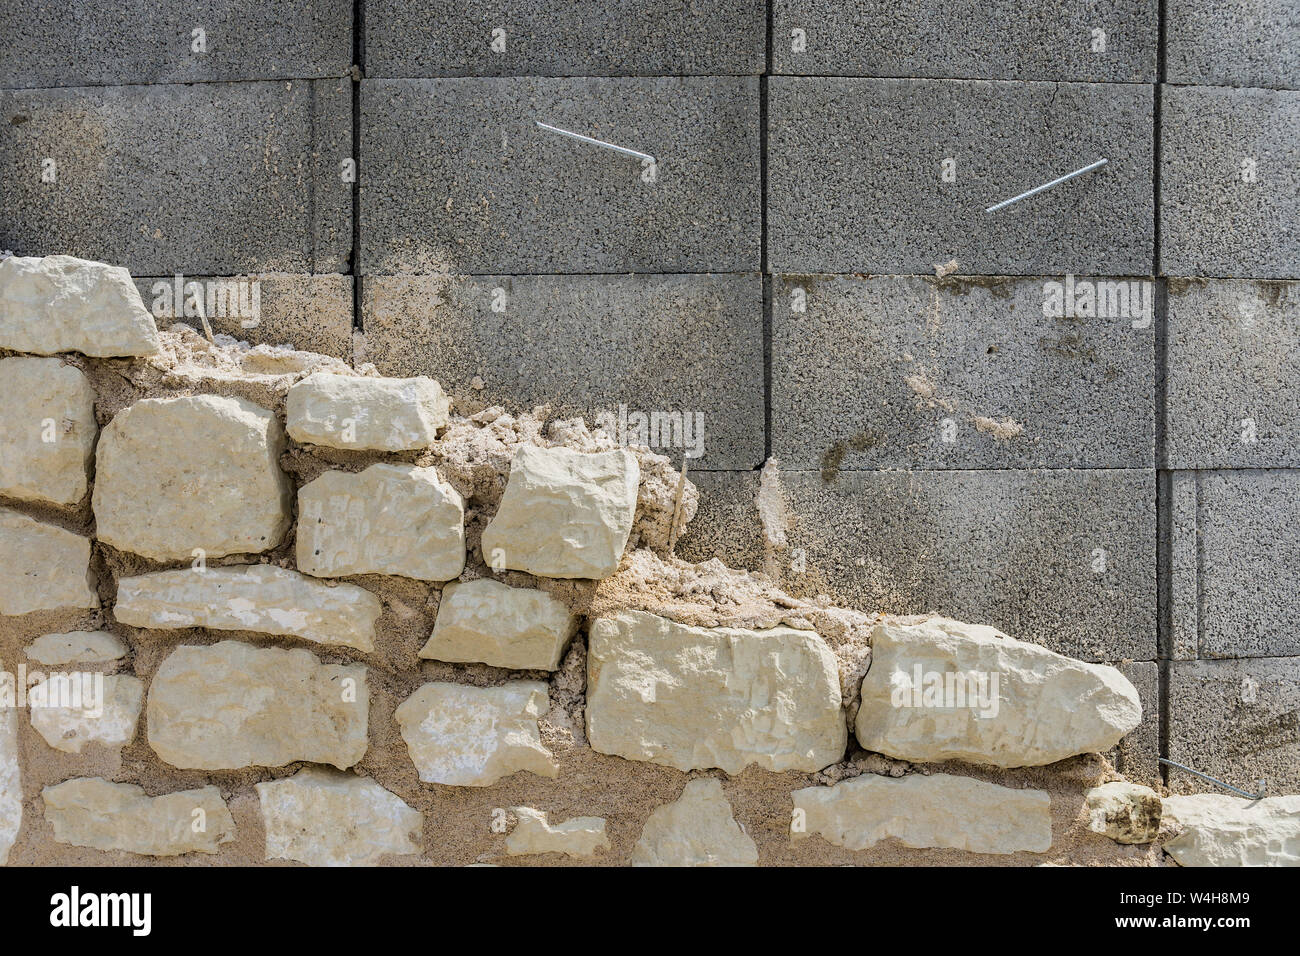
point(724, 76)
point(1014, 470)
point(1193, 469)
point(172, 83)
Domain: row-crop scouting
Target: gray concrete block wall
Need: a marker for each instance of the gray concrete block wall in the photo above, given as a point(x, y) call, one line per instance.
point(1239, 43)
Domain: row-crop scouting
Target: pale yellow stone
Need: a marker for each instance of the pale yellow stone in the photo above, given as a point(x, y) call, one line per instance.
point(76, 647)
point(11, 791)
point(47, 430)
point(1222, 830)
point(366, 413)
point(697, 829)
point(577, 837)
point(76, 708)
point(42, 567)
point(493, 623)
point(1126, 812)
point(93, 812)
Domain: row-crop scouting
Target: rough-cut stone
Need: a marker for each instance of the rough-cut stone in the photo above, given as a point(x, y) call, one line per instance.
point(493, 623)
point(212, 469)
point(388, 519)
point(930, 696)
point(232, 705)
point(693, 697)
point(1125, 812)
point(76, 647)
point(47, 430)
point(326, 818)
point(42, 567)
point(11, 791)
point(564, 514)
point(74, 709)
point(925, 811)
point(258, 597)
point(577, 837)
point(93, 812)
point(697, 829)
point(473, 736)
point(1222, 830)
point(374, 414)
point(61, 304)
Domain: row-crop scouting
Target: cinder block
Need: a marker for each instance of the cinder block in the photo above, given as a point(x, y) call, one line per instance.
point(1233, 386)
point(726, 526)
point(857, 167)
point(912, 372)
point(688, 344)
point(1229, 183)
point(1137, 755)
point(971, 39)
point(418, 38)
point(74, 43)
point(210, 179)
point(1242, 43)
point(1062, 558)
point(457, 177)
point(1179, 569)
point(1235, 720)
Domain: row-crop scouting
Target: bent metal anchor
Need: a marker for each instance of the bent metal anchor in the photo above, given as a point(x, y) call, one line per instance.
point(1226, 786)
point(1045, 186)
point(596, 142)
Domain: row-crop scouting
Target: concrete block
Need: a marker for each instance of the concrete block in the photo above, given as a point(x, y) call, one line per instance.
point(1179, 570)
point(1062, 558)
point(970, 39)
point(912, 372)
point(1229, 183)
point(73, 43)
point(210, 179)
point(726, 525)
point(857, 166)
point(457, 177)
point(1137, 755)
point(1232, 398)
point(418, 38)
point(1235, 720)
point(586, 344)
point(1242, 43)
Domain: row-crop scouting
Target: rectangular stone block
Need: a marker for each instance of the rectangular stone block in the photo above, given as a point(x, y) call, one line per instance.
point(210, 179)
point(1063, 558)
point(457, 176)
point(72, 43)
point(1235, 720)
point(1229, 182)
point(1137, 755)
point(970, 39)
point(726, 524)
point(623, 345)
point(1243, 43)
point(414, 38)
point(915, 372)
point(857, 176)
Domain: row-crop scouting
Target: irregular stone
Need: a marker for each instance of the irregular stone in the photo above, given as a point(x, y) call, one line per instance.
point(388, 519)
point(930, 695)
point(493, 623)
point(473, 736)
point(257, 597)
point(77, 647)
point(62, 304)
point(93, 812)
point(11, 791)
point(921, 811)
point(577, 837)
point(1222, 830)
point(694, 697)
point(47, 430)
point(231, 705)
point(1126, 812)
point(74, 709)
point(374, 414)
point(212, 467)
point(42, 567)
point(326, 818)
point(697, 829)
point(565, 513)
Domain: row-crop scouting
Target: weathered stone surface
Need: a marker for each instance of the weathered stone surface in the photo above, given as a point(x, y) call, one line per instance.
point(577, 837)
point(1222, 830)
point(693, 697)
point(77, 647)
point(42, 567)
point(325, 818)
point(388, 519)
point(11, 791)
point(93, 812)
point(258, 597)
point(231, 705)
point(47, 430)
point(929, 695)
point(74, 709)
point(61, 304)
point(1123, 811)
point(926, 811)
point(473, 736)
point(564, 514)
point(493, 623)
point(212, 468)
point(697, 829)
point(375, 414)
